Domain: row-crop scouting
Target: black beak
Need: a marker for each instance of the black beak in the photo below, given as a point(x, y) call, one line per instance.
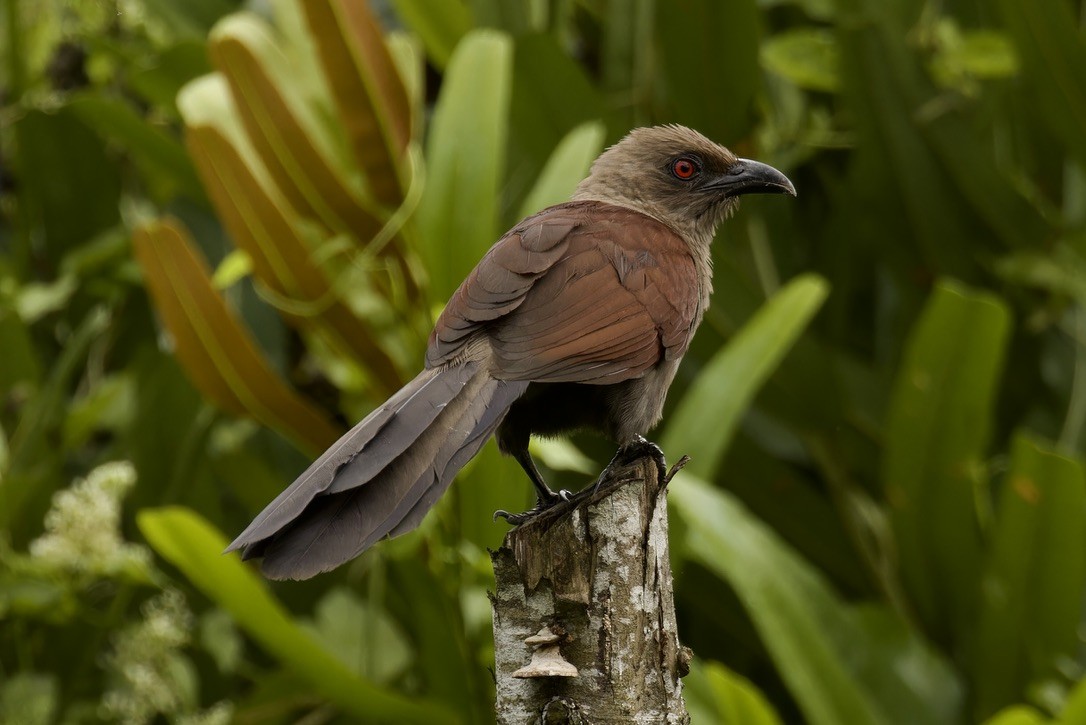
point(751, 177)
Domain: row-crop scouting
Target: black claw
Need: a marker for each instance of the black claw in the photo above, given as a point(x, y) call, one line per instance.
point(565, 495)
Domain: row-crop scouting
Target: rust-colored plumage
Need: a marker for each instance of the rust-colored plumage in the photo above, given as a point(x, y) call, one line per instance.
point(576, 318)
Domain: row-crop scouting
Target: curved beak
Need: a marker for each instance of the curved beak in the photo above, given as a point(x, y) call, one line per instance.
point(751, 177)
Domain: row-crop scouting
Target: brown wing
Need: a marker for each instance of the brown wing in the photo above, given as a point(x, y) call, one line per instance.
point(583, 292)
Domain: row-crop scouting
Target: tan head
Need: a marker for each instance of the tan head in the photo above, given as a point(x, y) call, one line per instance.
point(678, 176)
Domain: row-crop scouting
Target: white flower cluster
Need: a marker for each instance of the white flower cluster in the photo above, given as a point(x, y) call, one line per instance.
point(82, 529)
point(145, 663)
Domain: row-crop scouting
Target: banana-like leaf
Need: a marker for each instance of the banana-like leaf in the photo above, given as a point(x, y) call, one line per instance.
point(706, 418)
point(190, 543)
point(283, 131)
point(218, 353)
point(1034, 577)
point(842, 664)
point(263, 224)
point(936, 434)
point(458, 213)
point(565, 168)
point(368, 92)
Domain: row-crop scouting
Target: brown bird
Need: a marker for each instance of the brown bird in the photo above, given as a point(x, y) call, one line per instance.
point(576, 319)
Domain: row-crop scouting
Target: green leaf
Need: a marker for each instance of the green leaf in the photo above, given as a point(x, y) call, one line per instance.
point(841, 665)
point(362, 636)
point(705, 420)
point(158, 154)
point(1034, 577)
point(234, 267)
point(936, 438)
point(1053, 53)
point(806, 56)
point(1017, 715)
point(33, 454)
point(707, 82)
point(715, 694)
point(566, 167)
point(465, 151)
point(1074, 711)
point(192, 545)
point(29, 699)
point(441, 25)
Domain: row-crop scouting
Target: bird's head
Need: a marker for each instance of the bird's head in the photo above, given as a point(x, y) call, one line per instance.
point(681, 178)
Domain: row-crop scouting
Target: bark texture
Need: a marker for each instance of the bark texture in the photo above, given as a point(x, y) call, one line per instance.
point(598, 576)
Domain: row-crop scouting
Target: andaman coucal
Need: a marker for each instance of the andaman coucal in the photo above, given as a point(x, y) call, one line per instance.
point(577, 318)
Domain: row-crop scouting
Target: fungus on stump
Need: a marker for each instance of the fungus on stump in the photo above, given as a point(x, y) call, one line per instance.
point(590, 584)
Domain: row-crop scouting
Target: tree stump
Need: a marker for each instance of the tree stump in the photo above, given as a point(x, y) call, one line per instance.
point(589, 587)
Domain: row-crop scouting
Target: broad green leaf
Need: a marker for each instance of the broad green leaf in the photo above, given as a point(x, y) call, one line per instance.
point(552, 95)
point(29, 699)
point(368, 92)
point(465, 152)
point(705, 420)
point(441, 25)
point(430, 615)
point(192, 545)
point(1017, 715)
point(566, 167)
point(936, 439)
point(707, 82)
point(262, 223)
point(1052, 50)
point(807, 56)
point(715, 694)
point(361, 635)
point(1034, 576)
point(1074, 710)
point(158, 154)
point(947, 184)
point(841, 665)
point(219, 354)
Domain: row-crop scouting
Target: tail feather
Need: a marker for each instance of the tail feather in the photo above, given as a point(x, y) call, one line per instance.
point(452, 458)
point(361, 453)
point(421, 448)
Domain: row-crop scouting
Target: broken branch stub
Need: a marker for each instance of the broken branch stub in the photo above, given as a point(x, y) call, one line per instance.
point(584, 615)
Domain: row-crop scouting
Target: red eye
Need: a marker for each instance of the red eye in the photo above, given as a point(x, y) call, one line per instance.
point(684, 168)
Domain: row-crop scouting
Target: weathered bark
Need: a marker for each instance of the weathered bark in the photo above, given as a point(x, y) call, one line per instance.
point(599, 577)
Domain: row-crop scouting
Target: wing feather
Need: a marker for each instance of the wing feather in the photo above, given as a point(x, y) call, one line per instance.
point(582, 292)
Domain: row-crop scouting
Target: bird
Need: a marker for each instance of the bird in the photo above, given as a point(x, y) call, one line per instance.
point(576, 319)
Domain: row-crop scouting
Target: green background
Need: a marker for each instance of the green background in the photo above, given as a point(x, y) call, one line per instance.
point(225, 231)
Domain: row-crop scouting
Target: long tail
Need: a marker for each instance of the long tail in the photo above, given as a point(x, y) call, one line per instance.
point(382, 476)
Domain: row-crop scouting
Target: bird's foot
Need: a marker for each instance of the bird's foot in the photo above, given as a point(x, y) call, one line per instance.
point(639, 447)
point(543, 502)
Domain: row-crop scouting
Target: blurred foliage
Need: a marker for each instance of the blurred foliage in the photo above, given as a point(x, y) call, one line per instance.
point(226, 227)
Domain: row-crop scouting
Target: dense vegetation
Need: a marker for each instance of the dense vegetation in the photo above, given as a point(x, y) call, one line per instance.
point(225, 229)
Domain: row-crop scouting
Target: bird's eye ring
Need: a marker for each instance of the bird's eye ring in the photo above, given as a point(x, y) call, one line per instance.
point(684, 168)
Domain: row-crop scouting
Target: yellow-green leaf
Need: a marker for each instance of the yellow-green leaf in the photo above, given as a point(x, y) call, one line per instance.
point(192, 545)
point(216, 351)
